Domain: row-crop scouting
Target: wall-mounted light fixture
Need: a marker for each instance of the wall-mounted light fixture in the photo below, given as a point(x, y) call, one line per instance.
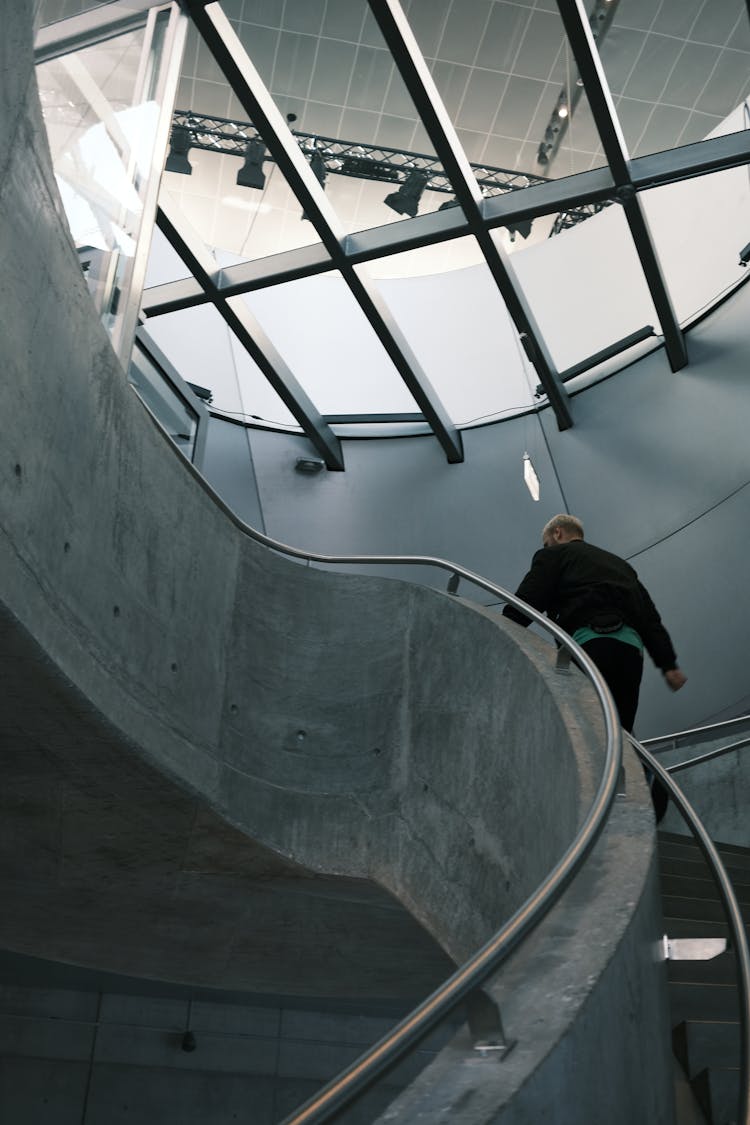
point(309, 465)
point(531, 480)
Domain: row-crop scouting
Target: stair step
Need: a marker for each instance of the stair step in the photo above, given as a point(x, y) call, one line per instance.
point(701, 909)
point(717, 1090)
point(677, 838)
point(697, 1000)
point(719, 970)
point(700, 1044)
point(688, 886)
point(690, 852)
point(699, 869)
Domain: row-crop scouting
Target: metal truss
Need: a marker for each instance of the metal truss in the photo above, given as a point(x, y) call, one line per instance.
point(362, 161)
point(481, 209)
point(347, 158)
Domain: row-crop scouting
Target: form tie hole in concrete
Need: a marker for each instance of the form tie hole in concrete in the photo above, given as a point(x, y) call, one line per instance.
point(18, 470)
point(376, 750)
point(425, 787)
point(233, 708)
point(66, 548)
point(116, 610)
point(301, 735)
point(173, 666)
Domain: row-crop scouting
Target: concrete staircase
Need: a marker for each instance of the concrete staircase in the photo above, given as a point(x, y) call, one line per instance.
point(703, 994)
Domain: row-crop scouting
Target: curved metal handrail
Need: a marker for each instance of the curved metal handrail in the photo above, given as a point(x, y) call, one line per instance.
point(665, 742)
point(386, 1053)
point(731, 906)
point(709, 756)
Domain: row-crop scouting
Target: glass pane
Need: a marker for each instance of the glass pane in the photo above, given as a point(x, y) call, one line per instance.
point(332, 349)
point(164, 263)
point(330, 73)
point(676, 71)
point(176, 416)
point(502, 70)
point(203, 350)
point(586, 287)
point(101, 112)
point(699, 228)
point(460, 330)
point(50, 11)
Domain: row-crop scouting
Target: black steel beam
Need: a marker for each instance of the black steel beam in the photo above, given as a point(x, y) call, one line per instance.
point(418, 81)
point(591, 71)
point(253, 338)
point(230, 55)
point(712, 155)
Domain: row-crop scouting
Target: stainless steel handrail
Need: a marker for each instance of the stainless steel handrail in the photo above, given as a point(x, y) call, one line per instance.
point(696, 734)
point(734, 916)
point(709, 756)
point(365, 1070)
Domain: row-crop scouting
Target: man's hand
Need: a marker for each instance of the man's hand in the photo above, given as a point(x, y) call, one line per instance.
point(675, 678)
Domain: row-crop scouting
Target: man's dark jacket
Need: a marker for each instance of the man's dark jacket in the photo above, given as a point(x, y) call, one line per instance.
point(575, 583)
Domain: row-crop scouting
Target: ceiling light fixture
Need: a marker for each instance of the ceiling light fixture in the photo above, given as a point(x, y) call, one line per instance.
point(405, 201)
point(179, 147)
point(251, 173)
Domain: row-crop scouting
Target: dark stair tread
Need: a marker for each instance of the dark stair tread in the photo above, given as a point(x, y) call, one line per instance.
point(717, 970)
point(699, 1044)
point(678, 838)
point(717, 1090)
point(690, 886)
point(701, 909)
point(699, 869)
point(693, 1000)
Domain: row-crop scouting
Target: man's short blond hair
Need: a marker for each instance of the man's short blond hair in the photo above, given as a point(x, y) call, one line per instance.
point(571, 525)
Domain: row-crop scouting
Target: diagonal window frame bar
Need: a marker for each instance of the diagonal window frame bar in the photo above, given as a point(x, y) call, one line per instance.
point(252, 336)
point(578, 31)
point(410, 63)
point(231, 57)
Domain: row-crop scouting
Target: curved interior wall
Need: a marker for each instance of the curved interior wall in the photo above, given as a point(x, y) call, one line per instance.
point(141, 590)
point(287, 698)
point(655, 464)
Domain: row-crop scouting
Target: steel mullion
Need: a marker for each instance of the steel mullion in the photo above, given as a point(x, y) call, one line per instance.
point(578, 31)
point(253, 338)
point(91, 27)
point(242, 76)
point(173, 296)
point(715, 154)
point(418, 80)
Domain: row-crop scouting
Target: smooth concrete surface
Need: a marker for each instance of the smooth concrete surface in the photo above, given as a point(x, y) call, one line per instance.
point(358, 727)
point(582, 1000)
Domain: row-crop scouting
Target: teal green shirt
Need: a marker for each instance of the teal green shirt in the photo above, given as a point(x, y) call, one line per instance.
point(625, 633)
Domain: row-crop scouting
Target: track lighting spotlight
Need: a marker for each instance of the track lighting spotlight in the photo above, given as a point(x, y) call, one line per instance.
point(405, 201)
point(179, 147)
point(251, 173)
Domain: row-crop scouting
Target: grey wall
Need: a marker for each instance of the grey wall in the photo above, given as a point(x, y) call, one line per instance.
point(357, 725)
point(77, 1057)
point(656, 465)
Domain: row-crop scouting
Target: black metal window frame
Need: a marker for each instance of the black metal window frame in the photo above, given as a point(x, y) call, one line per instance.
point(620, 181)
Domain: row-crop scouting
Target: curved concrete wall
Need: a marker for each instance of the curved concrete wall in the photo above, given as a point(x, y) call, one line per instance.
point(358, 725)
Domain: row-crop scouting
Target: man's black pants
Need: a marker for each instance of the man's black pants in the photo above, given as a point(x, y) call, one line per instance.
point(621, 665)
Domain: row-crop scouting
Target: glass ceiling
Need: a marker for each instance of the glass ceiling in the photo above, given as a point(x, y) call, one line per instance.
point(445, 209)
